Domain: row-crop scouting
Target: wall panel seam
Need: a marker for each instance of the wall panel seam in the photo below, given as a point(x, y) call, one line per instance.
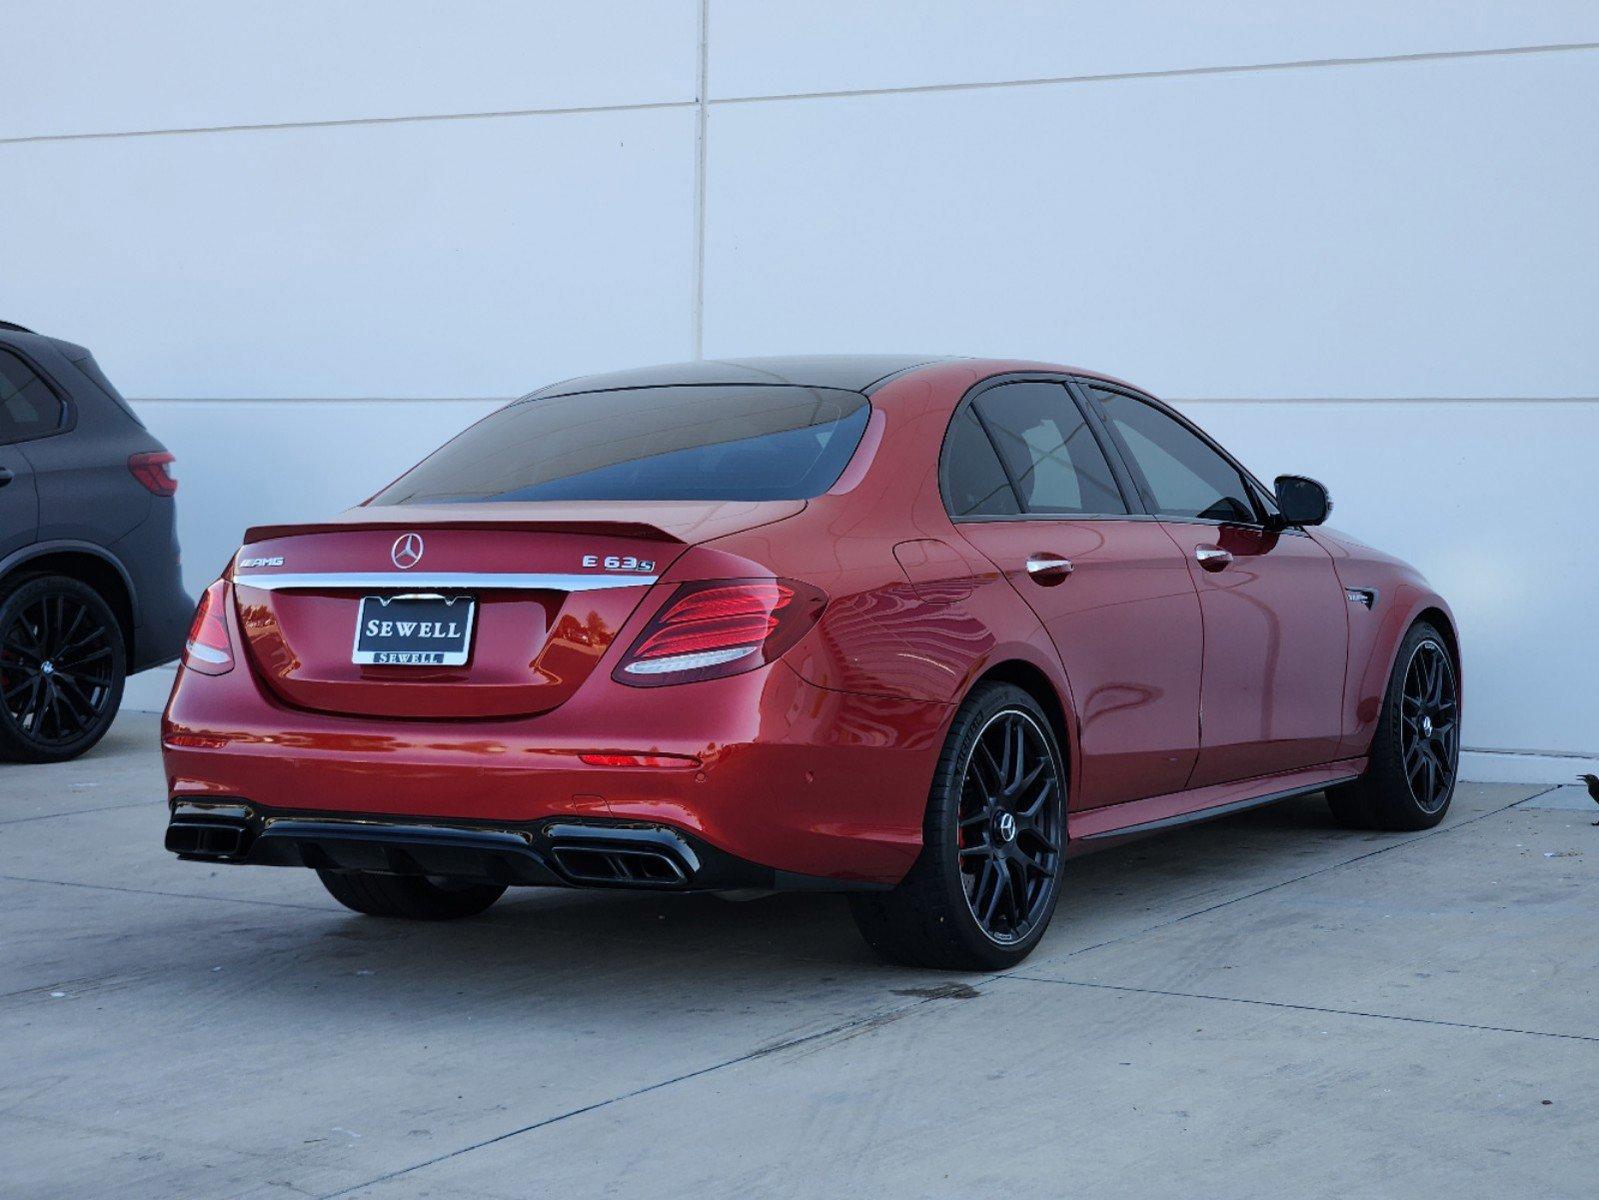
point(1168, 398)
point(700, 102)
point(1167, 73)
point(343, 122)
point(701, 131)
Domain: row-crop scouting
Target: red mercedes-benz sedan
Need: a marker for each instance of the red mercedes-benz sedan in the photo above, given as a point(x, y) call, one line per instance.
point(914, 629)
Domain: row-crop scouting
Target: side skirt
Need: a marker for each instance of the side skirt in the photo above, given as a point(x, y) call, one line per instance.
point(1099, 826)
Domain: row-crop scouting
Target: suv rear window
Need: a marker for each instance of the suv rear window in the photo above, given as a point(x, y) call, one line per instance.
point(662, 443)
point(28, 408)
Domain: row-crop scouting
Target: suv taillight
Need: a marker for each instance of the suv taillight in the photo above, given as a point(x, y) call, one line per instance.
point(154, 470)
point(209, 649)
point(720, 627)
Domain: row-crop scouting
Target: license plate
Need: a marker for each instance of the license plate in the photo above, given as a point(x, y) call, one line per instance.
point(414, 631)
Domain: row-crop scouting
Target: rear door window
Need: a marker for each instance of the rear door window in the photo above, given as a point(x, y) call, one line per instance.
point(653, 443)
point(28, 408)
point(1049, 450)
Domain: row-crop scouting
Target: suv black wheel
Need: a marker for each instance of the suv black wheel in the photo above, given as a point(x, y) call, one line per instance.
point(62, 666)
point(1415, 752)
point(417, 897)
point(985, 886)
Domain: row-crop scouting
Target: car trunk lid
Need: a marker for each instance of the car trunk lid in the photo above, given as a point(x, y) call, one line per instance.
point(533, 594)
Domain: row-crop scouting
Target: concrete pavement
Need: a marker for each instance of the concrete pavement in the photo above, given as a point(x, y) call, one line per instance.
point(1263, 1006)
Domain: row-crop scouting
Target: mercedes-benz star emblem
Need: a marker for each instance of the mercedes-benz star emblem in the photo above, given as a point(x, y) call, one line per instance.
point(407, 550)
point(1007, 827)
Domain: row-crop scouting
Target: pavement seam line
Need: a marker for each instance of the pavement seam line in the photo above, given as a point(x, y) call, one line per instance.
point(1311, 1008)
point(78, 812)
point(872, 1018)
point(1436, 831)
point(107, 887)
point(882, 1015)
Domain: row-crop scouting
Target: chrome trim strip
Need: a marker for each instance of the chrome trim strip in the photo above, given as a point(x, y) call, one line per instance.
point(465, 580)
point(210, 808)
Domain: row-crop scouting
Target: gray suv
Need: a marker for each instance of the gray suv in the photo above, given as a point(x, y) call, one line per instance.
point(90, 589)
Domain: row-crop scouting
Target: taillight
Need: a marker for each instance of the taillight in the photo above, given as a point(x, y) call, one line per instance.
point(721, 627)
point(209, 650)
point(154, 470)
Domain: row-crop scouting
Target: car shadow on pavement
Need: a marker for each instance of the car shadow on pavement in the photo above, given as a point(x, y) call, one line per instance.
point(1109, 894)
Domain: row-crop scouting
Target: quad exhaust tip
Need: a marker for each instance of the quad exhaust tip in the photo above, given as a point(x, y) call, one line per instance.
point(623, 856)
point(629, 866)
point(208, 839)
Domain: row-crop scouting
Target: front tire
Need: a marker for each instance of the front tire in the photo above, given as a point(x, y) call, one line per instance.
point(986, 883)
point(1415, 752)
point(413, 897)
point(62, 667)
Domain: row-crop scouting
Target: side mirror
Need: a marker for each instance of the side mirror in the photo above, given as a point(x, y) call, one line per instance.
point(1302, 501)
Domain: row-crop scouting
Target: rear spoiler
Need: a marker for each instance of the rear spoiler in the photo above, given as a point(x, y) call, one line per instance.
point(633, 529)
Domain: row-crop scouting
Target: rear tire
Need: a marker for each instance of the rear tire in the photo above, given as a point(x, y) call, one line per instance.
point(62, 667)
point(1415, 752)
point(413, 897)
point(986, 883)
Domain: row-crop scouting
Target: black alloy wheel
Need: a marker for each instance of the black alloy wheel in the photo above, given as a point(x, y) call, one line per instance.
point(985, 885)
point(1010, 836)
point(62, 668)
point(1429, 727)
point(1415, 749)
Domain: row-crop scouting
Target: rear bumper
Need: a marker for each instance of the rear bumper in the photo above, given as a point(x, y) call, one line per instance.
point(554, 853)
point(774, 783)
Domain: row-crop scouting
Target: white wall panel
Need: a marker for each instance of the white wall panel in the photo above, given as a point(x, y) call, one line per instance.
point(255, 462)
point(101, 66)
point(1388, 231)
point(1495, 504)
point(760, 49)
point(445, 258)
point(1417, 229)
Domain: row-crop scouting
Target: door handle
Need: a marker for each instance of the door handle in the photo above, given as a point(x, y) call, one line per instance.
point(1212, 558)
point(1048, 569)
point(6, 476)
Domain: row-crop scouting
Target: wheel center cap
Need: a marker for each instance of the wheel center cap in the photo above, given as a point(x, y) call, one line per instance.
point(1426, 727)
point(47, 668)
point(1005, 827)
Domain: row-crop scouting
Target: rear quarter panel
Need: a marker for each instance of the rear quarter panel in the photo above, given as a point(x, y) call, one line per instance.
point(916, 614)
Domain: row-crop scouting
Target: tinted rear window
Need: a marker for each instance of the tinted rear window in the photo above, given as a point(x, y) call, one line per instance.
point(667, 443)
point(28, 408)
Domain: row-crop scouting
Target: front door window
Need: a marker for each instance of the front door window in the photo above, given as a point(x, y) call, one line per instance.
point(1181, 474)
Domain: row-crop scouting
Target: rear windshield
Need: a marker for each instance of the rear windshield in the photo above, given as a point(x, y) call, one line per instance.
point(663, 443)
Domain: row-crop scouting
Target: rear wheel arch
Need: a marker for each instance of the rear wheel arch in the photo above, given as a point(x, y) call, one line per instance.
point(93, 570)
point(1036, 683)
